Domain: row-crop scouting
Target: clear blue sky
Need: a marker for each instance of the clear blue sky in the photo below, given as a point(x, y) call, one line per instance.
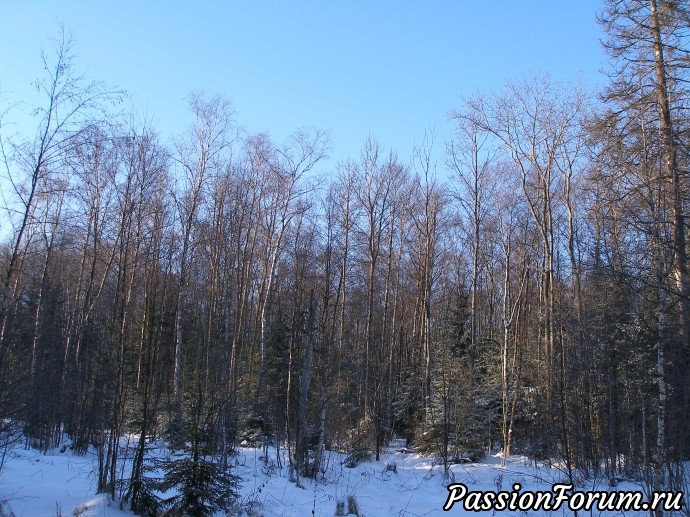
point(390, 69)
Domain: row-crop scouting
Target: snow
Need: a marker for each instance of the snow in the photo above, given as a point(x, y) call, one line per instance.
point(34, 484)
point(60, 482)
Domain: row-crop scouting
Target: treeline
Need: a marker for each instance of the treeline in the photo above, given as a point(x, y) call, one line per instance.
point(223, 289)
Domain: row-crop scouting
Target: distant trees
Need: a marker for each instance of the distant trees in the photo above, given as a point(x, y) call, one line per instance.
point(227, 290)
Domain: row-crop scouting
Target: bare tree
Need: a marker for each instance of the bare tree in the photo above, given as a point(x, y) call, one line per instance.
point(646, 103)
point(534, 125)
point(200, 156)
point(469, 157)
point(287, 167)
point(72, 104)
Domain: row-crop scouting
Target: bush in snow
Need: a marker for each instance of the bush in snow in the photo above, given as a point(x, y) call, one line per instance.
point(356, 456)
point(200, 485)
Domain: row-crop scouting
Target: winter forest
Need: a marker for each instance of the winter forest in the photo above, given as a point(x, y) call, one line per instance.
point(522, 285)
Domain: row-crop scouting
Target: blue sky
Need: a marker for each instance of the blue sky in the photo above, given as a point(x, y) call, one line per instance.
point(390, 69)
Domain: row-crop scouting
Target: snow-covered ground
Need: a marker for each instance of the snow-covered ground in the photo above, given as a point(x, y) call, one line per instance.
point(33, 484)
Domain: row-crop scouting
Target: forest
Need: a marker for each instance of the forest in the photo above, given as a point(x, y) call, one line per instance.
point(527, 292)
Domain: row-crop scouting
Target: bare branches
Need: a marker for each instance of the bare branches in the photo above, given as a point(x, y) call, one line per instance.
point(72, 105)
